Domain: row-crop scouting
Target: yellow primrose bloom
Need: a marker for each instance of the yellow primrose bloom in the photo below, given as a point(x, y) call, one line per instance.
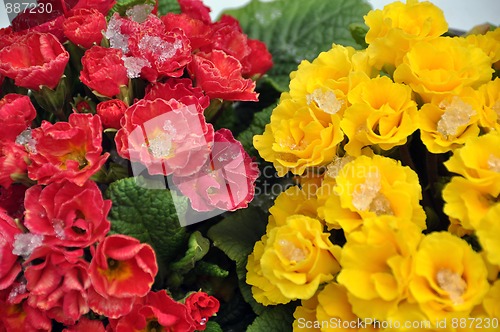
point(334, 311)
point(394, 29)
point(371, 187)
point(296, 139)
point(489, 43)
point(445, 124)
point(479, 162)
point(449, 278)
point(488, 233)
point(490, 94)
point(491, 302)
point(443, 66)
point(297, 258)
point(323, 84)
point(381, 113)
point(305, 316)
point(376, 265)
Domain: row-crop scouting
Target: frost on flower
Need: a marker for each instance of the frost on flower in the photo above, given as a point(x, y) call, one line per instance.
point(367, 196)
point(115, 36)
point(17, 290)
point(325, 100)
point(452, 283)
point(494, 163)
point(333, 169)
point(457, 114)
point(25, 243)
point(134, 65)
point(27, 140)
point(139, 13)
point(161, 49)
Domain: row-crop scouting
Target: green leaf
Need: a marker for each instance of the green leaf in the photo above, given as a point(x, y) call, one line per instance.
point(121, 6)
point(236, 234)
point(212, 327)
point(210, 270)
point(148, 215)
point(197, 248)
point(168, 6)
point(295, 29)
point(358, 32)
point(256, 127)
point(277, 319)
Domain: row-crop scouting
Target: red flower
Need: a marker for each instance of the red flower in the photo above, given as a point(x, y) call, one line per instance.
point(104, 70)
point(84, 27)
point(16, 112)
point(23, 317)
point(227, 36)
point(165, 136)
point(158, 311)
point(198, 33)
point(196, 9)
point(34, 60)
point(181, 90)
point(86, 325)
point(166, 53)
point(259, 61)
point(13, 165)
point(57, 282)
point(121, 270)
point(219, 75)
point(111, 112)
point(66, 214)
point(44, 22)
point(102, 6)
point(226, 181)
point(201, 307)
point(12, 200)
point(9, 263)
point(67, 150)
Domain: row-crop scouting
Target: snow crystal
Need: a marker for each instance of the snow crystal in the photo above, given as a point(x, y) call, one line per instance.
point(290, 251)
point(457, 114)
point(326, 100)
point(453, 284)
point(16, 291)
point(134, 65)
point(25, 243)
point(58, 225)
point(115, 36)
point(380, 205)
point(27, 140)
point(365, 193)
point(494, 163)
point(160, 146)
point(161, 49)
point(169, 128)
point(139, 13)
point(333, 169)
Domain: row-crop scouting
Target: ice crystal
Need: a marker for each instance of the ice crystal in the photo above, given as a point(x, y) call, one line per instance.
point(115, 36)
point(27, 140)
point(333, 169)
point(162, 50)
point(58, 225)
point(365, 193)
point(160, 146)
point(139, 13)
point(453, 284)
point(134, 65)
point(326, 100)
point(16, 291)
point(25, 243)
point(291, 252)
point(494, 163)
point(457, 113)
point(380, 205)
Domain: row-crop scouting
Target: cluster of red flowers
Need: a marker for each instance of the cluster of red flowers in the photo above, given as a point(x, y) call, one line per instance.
point(57, 261)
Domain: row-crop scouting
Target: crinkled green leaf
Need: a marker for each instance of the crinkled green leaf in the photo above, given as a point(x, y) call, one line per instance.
point(197, 248)
point(212, 327)
point(121, 6)
point(210, 270)
point(295, 29)
point(358, 32)
point(168, 6)
point(256, 127)
point(148, 215)
point(277, 319)
point(236, 234)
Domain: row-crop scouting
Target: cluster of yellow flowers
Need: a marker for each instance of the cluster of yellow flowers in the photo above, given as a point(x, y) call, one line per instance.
point(345, 115)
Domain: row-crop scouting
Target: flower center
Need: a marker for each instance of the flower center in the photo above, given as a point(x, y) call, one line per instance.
point(494, 163)
point(457, 113)
point(154, 326)
point(160, 146)
point(291, 252)
point(453, 284)
point(325, 100)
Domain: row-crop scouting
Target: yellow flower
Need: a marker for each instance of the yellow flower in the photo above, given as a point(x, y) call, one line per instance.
point(491, 302)
point(490, 94)
point(449, 279)
point(488, 233)
point(296, 139)
point(443, 66)
point(382, 113)
point(445, 124)
point(370, 187)
point(489, 43)
point(335, 311)
point(295, 259)
point(305, 316)
point(376, 265)
point(398, 26)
